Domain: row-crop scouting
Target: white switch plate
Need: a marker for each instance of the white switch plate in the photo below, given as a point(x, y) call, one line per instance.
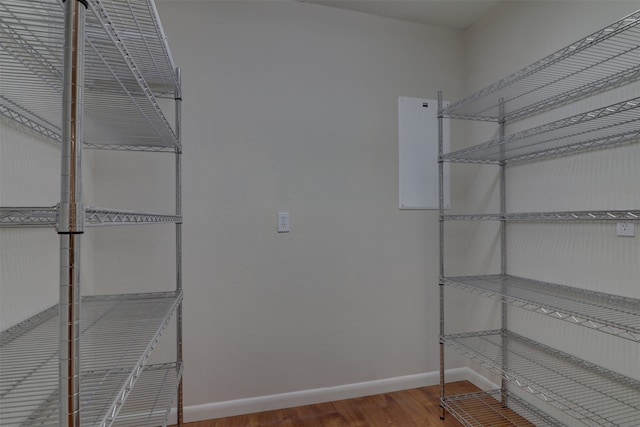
point(626, 229)
point(283, 222)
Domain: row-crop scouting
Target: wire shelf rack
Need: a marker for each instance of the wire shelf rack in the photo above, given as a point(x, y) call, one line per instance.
point(589, 393)
point(600, 61)
point(139, 29)
point(120, 91)
point(614, 124)
point(150, 402)
point(98, 217)
point(94, 217)
point(487, 409)
point(28, 216)
point(612, 215)
point(612, 314)
point(118, 335)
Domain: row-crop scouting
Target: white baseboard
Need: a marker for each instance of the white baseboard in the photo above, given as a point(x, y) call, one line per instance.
point(327, 394)
point(482, 382)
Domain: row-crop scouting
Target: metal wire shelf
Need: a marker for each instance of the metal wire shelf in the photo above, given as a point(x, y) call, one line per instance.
point(123, 147)
point(118, 334)
point(28, 216)
point(612, 314)
point(127, 64)
point(606, 126)
point(94, 217)
point(98, 217)
point(602, 60)
point(137, 26)
point(487, 409)
point(150, 402)
point(613, 215)
point(589, 393)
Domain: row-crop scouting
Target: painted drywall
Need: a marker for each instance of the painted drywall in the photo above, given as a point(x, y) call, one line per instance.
point(293, 107)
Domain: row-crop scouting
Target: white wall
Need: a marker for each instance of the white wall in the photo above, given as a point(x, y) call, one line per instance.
point(293, 107)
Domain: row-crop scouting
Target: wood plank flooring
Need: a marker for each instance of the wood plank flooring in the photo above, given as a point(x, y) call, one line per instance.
point(406, 408)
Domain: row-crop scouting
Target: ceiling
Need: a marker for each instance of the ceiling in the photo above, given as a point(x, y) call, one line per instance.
point(457, 14)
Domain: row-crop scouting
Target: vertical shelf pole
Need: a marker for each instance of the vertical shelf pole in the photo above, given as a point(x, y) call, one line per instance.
point(71, 212)
point(503, 251)
point(178, 159)
point(441, 224)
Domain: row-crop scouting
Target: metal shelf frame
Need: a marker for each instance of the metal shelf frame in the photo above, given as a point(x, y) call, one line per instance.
point(589, 393)
point(28, 216)
point(100, 217)
point(127, 64)
point(118, 335)
point(612, 314)
point(607, 126)
point(94, 217)
point(566, 216)
point(488, 408)
point(602, 60)
point(150, 402)
point(90, 73)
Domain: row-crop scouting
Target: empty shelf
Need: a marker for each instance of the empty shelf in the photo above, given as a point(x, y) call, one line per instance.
point(147, 405)
point(151, 399)
point(587, 392)
point(137, 24)
point(117, 337)
point(486, 409)
point(48, 217)
point(127, 64)
point(610, 125)
point(604, 59)
point(612, 314)
point(613, 215)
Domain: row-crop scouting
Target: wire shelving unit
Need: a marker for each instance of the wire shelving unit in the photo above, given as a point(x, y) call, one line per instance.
point(600, 61)
point(612, 215)
point(118, 334)
point(48, 217)
point(614, 124)
point(488, 409)
point(581, 389)
point(93, 74)
point(23, 216)
point(150, 402)
point(588, 393)
point(612, 314)
point(126, 68)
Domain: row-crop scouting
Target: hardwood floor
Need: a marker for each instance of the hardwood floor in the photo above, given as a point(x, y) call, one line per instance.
point(406, 408)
